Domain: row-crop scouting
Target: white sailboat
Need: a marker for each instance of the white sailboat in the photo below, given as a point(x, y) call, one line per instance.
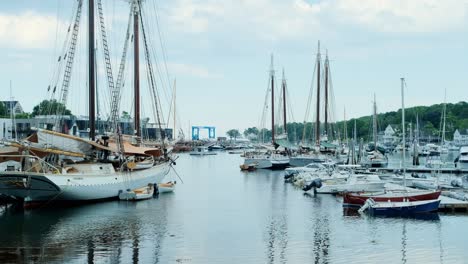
point(58, 167)
point(375, 158)
point(312, 154)
point(269, 159)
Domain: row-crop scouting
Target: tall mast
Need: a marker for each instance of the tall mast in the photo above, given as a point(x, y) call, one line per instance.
point(174, 132)
point(136, 65)
point(317, 119)
point(91, 72)
point(374, 124)
point(326, 94)
point(403, 127)
point(444, 113)
point(272, 76)
point(345, 130)
point(284, 103)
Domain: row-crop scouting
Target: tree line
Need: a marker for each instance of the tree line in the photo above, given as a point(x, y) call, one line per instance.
point(428, 117)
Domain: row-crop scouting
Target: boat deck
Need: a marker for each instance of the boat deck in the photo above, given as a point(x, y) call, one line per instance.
point(423, 170)
point(447, 204)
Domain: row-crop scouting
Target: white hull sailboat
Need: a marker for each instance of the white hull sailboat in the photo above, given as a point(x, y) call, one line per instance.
point(278, 162)
point(270, 159)
point(55, 166)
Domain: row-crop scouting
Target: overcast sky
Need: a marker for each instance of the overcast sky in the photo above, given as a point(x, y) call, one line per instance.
point(219, 51)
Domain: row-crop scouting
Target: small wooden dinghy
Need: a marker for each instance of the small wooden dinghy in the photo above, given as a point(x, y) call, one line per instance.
point(166, 187)
point(137, 194)
point(399, 208)
point(248, 167)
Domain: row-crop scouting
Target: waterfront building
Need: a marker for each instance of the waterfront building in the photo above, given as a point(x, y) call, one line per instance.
point(460, 138)
point(389, 137)
point(13, 105)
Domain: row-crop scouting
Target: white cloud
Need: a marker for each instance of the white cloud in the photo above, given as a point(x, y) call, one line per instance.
point(403, 15)
point(264, 18)
point(28, 30)
point(192, 70)
point(294, 18)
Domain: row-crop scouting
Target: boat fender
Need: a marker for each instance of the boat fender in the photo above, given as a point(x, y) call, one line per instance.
point(317, 183)
point(156, 190)
point(456, 183)
point(369, 202)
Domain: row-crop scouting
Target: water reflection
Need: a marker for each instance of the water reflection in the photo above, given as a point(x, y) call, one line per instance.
point(94, 233)
point(320, 227)
point(222, 215)
point(277, 224)
point(403, 243)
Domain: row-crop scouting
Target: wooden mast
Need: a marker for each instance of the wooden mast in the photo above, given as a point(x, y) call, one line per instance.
point(136, 65)
point(326, 95)
point(284, 103)
point(403, 128)
point(374, 124)
point(317, 118)
point(174, 131)
point(91, 72)
point(272, 76)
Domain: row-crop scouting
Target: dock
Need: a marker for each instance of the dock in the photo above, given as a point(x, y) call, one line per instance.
point(447, 204)
point(423, 170)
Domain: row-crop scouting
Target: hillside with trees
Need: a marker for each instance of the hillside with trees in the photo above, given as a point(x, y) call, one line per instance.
point(429, 118)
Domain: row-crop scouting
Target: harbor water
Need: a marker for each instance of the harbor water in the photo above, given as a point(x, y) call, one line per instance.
point(220, 214)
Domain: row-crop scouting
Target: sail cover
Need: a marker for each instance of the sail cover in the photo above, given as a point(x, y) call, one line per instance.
point(51, 139)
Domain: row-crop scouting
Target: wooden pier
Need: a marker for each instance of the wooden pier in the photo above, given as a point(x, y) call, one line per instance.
point(447, 204)
point(423, 170)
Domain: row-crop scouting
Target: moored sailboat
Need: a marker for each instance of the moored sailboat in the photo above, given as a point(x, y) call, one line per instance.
point(56, 166)
point(404, 203)
point(271, 158)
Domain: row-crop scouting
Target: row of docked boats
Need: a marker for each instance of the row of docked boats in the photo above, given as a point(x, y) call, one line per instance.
point(57, 165)
point(363, 190)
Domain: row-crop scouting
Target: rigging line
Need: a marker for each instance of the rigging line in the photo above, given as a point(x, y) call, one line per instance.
point(166, 84)
point(68, 67)
point(156, 59)
point(161, 40)
point(56, 71)
point(265, 105)
point(56, 40)
point(151, 76)
point(309, 102)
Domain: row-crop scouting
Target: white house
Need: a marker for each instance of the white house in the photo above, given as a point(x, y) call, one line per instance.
point(389, 136)
point(13, 105)
point(460, 139)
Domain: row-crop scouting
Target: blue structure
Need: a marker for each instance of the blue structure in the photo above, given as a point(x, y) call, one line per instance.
point(196, 132)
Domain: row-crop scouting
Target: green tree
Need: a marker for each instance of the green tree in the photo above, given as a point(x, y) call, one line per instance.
point(251, 131)
point(50, 107)
point(125, 115)
point(3, 110)
point(233, 133)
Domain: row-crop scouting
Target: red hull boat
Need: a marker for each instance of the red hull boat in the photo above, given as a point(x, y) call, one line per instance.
point(358, 199)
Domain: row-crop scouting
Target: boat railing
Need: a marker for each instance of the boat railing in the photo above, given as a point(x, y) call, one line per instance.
point(44, 164)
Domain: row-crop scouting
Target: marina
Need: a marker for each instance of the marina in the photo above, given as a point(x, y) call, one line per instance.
point(269, 221)
point(144, 131)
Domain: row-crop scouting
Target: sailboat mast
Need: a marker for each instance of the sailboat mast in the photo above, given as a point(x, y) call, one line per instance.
point(326, 95)
point(91, 72)
point(374, 124)
point(345, 130)
point(136, 69)
point(284, 103)
point(272, 76)
point(174, 132)
point(403, 127)
point(317, 118)
point(444, 113)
